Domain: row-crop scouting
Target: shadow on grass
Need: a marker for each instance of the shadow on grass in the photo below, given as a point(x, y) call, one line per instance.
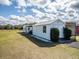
point(38, 42)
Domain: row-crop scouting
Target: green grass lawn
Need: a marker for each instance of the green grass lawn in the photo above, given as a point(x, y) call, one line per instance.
point(15, 46)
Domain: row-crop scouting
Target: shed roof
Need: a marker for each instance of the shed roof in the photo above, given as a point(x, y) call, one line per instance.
point(47, 22)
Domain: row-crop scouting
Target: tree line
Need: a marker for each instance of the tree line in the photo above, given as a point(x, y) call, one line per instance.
point(9, 26)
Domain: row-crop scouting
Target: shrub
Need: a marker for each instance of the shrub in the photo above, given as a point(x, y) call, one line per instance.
point(67, 33)
point(54, 34)
point(8, 26)
point(1, 27)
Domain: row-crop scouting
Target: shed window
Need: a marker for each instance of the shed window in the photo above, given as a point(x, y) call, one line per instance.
point(44, 29)
point(28, 28)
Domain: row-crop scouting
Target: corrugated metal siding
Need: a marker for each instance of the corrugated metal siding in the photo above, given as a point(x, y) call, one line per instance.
point(77, 30)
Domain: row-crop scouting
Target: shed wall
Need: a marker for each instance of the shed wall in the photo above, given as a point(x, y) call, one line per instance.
point(38, 30)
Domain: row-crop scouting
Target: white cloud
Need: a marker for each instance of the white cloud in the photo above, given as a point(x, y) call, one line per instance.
point(23, 10)
point(40, 3)
point(38, 13)
point(52, 9)
point(3, 18)
point(28, 18)
point(52, 16)
point(14, 17)
point(75, 5)
point(60, 4)
point(53, 5)
point(62, 8)
point(21, 3)
point(5, 2)
point(17, 19)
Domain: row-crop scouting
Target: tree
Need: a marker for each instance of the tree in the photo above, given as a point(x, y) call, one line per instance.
point(54, 34)
point(8, 26)
point(67, 33)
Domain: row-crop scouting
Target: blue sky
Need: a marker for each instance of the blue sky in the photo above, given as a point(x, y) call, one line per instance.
point(6, 11)
point(40, 8)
